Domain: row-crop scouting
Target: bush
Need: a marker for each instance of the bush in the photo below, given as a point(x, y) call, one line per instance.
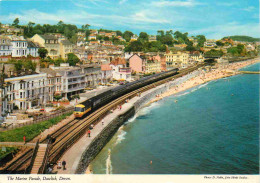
point(15, 107)
point(30, 131)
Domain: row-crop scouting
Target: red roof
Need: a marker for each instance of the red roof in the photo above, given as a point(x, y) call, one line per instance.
point(118, 61)
point(105, 67)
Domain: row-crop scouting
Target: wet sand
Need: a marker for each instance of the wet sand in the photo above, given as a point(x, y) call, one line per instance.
point(205, 76)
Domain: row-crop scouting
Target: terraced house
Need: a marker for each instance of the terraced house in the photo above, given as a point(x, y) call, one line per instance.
point(26, 91)
point(19, 48)
point(176, 59)
point(49, 42)
point(65, 47)
point(5, 46)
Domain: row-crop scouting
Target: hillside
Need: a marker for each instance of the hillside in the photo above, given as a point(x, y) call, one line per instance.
point(243, 38)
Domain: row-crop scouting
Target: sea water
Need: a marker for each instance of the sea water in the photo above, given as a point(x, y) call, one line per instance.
point(210, 129)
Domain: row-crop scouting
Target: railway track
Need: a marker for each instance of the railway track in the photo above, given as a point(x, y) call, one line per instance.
point(68, 134)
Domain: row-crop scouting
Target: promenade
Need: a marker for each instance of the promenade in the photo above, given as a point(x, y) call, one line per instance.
point(73, 155)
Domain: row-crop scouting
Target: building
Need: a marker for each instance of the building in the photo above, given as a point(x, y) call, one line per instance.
point(19, 48)
point(197, 57)
point(134, 38)
point(66, 47)
point(176, 60)
point(137, 63)
point(152, 66)
point(119, 70)
point(26, 91)
point(106, 73)
point(180, 46)
point(210, 44)
point(5, 46)
point(32, 49)
point(92, 74)
point(72, 79)
point(92, 37)
point(50, 43)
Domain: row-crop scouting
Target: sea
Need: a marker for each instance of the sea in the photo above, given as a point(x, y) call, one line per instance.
point(209, 129)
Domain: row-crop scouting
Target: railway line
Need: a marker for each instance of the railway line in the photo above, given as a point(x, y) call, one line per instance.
point(68, 134)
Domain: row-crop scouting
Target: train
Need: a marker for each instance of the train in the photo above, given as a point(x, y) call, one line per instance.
point(104, 98)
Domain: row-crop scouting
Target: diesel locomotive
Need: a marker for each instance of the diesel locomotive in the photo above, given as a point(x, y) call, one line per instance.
point(96, 102)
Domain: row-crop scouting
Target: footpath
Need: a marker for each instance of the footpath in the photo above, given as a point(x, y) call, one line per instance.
point(73, 155)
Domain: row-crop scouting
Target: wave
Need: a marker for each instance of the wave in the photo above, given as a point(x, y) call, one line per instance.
point(143, 112)
point(109, 163)
point(192, 90)
point(121, 135)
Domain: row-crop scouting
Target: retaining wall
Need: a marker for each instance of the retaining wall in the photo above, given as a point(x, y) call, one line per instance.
point(107, 133)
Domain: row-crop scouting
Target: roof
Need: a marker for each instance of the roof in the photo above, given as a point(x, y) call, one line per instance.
point(48, 37)
point(67, 42)
point(32, 45)
point(118, 61)
point(105, 67)
point(48, 71)
point(7, 43)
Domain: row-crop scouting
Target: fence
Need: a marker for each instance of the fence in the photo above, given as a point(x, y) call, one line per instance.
point(38, 119)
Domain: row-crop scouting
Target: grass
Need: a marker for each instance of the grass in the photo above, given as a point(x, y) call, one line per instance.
point(30, 132)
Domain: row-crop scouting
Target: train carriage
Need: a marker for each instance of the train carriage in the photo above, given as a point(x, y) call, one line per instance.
point(104, 98)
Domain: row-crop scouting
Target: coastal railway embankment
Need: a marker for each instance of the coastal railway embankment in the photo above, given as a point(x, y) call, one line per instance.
point(70, 133)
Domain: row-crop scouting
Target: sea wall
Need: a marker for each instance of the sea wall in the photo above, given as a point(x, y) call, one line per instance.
point(107, 133)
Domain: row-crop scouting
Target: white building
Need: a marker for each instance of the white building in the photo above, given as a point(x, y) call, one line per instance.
point(32, 49)
point(26, 91)
point(19, 48)
point(72, 79)
point(119, 70)
point(5, 46)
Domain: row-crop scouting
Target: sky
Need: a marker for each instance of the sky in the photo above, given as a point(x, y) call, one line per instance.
point(212, 18)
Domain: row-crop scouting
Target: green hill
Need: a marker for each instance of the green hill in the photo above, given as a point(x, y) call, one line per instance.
point(243, 38)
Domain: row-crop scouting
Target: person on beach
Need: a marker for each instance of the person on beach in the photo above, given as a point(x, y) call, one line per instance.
point(120, 107)
point(64, 164)
point(102, 121)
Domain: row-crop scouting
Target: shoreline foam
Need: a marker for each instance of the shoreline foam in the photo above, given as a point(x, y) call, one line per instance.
point(205, 77)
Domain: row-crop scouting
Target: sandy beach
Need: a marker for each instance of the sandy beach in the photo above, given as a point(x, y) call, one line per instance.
point(221, 71)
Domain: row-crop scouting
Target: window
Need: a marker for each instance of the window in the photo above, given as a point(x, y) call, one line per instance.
point(21, 86)
point(32, 83)
point(21, 94)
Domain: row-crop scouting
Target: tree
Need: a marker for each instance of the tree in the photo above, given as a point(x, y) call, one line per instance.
point(201, 39)
point(85, 27)
point(127, 35)
point(18, 66)
point(219, 43)
point(72, 59)
point(119, 33)
point(134, 46)
point(29, 65)
point(143, 36)
point(16, 22)
point(106, 38)
point(214, 53)
point(42, 52)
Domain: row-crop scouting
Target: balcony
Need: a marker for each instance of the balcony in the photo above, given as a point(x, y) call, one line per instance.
point(125, 70)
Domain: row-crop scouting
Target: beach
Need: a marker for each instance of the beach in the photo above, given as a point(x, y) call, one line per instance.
point(221, 71)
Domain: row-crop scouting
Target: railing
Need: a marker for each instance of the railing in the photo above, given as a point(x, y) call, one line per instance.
point(38, 119)
point(29, 169)
point(42, 169)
